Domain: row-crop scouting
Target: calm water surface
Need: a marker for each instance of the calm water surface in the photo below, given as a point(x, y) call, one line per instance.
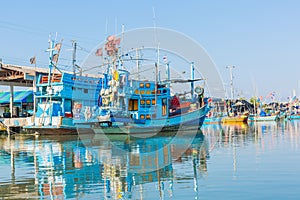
point(255, 161)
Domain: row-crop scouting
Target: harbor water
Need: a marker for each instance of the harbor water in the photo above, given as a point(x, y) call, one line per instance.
point(234, 161)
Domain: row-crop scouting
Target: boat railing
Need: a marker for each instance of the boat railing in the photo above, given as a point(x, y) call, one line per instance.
point(56, 78)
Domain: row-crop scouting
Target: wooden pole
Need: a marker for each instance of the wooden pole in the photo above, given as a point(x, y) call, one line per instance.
point(11, 104)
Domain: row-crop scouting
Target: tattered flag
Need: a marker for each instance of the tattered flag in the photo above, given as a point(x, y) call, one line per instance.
point(165, 59)
point(111, 38)
point(55, 58)
point(117, 41)
point(99, 52)
point(32, 60)
point(57, 47)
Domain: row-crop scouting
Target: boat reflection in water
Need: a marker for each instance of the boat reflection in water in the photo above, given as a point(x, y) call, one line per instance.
point(114, 167)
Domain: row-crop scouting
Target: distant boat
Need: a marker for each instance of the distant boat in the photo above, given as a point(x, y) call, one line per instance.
point(256, 118)
point(234, 119)
point(292, 117)
point(213, 117)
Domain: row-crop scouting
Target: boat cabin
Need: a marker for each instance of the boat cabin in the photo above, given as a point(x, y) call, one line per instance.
point(148, 101)
point(65, 95)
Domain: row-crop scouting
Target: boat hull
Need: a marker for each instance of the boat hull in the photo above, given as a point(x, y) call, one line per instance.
point(189, 121)
point(239, 119)
point(50, 130)
point(292, 117)
point(263, 118)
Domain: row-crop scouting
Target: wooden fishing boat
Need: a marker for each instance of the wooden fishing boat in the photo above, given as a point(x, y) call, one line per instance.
point(234, 119)
point(113, 101)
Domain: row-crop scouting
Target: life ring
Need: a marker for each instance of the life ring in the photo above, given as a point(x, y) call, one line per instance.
point(199, 90)
point(111, 98)
point(114, 89)
point(105, 101)
point(134, 115)
point(102, 91)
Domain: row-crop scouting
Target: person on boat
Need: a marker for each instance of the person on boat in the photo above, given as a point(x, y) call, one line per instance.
point(175, 102)
point(200, 100)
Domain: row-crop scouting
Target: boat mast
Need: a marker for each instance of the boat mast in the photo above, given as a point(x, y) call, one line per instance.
point(156, 82)
point(122, 41)
point(137, 63)
point(156, 76)
point(192, 79)
point(168, 73)
point(74, 44)
point(50, 59)
point(231, 81)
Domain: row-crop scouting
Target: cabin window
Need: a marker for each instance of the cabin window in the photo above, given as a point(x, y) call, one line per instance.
point(142, 102)
point(73, 88)
point(141, 85)
point(142, 91)
point(136, 91)
point(147, 85)
point(148, 102)
point(164, 107)
point(85, 91)
point(148, 92)
point(153, 101)
point(133, 105)
point(142, 116)
point(164, 91)
point(148, 116)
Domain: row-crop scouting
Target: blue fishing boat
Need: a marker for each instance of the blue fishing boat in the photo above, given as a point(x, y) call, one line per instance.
point(114, 101)
point(59, 96)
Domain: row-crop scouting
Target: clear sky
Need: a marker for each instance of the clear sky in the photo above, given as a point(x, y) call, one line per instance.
point(260, 37)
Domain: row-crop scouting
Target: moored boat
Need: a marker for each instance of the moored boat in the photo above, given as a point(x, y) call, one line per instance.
point(263, 118)
point(234, 119)
point(114, 101)
point(292, 117)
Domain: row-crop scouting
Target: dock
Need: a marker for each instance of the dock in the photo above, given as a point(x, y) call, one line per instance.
point(12, 125)
point(12, 76)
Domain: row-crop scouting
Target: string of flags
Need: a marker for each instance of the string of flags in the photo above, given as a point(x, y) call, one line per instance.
point(110, 46)
point(55, 56)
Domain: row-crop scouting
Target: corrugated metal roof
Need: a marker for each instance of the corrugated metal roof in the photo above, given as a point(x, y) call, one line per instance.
point(19, 96)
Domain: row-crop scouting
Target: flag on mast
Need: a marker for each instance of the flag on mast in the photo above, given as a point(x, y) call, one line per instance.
point(55, 58)
point(99, 52)
point(57, 47)
point(32, 60)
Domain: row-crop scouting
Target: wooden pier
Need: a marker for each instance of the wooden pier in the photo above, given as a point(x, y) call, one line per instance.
point(12, 125)
point(14, 75)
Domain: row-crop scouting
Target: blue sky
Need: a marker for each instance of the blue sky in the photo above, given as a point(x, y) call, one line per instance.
point(260, 38)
